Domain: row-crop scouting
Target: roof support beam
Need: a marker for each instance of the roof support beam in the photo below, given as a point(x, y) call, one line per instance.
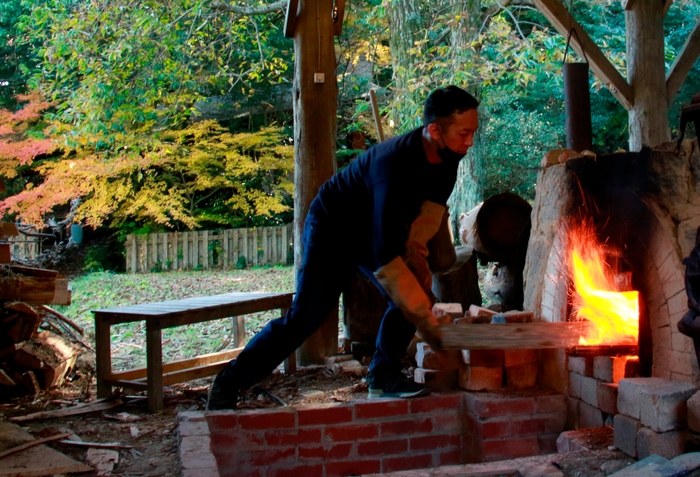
point(683, 63)
point(562, 21)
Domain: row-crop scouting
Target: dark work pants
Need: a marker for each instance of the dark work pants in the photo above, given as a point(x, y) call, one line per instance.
point(328, 263)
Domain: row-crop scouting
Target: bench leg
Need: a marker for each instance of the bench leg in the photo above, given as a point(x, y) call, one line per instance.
point(103, 357)
point(154, 365)
point(239, 331)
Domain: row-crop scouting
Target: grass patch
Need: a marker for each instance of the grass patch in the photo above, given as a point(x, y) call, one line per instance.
point(107, 290)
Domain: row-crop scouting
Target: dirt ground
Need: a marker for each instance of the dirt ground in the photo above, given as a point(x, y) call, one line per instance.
point(152, 438)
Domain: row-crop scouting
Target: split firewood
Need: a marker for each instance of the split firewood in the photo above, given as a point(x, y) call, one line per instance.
point(102, 460)
point(30, 382)
point(5, 379)
point(514, 335)
point(50, 354)
point(21, 322)
point(29, 289)
point(30, 444)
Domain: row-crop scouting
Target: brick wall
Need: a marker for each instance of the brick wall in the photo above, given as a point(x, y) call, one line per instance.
point(370, 436)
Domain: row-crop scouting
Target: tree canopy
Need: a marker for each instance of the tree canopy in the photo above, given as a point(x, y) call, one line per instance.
point(110, 101)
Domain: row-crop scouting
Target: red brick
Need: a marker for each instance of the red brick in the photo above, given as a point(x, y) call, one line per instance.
point(433, 442)
point(551, 403)
point(493, 405)
point(382, 448)
point(449, 402)
point(448, 423)
point(324, 414)
point(266, 419)
point(516, 357)
point(293, 437)
point(483, 357)
point(393, 464)
point(548, 443)
point(446, 360)
point(352, 467)
point(480, 378)
point(351, 432)
point(450, 458)
point(526, 427)
point(333, 452)
point(236, 472)
point(222, 421)
point(297, 471)
point(553, 422)
point(406, 427)
point(490, 429)
point(437, 380)
point(509, 448)
point(369, 410)
point(522, 376)
point(268, 456)
point(240, 439)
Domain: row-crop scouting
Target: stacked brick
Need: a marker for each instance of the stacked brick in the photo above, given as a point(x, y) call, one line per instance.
point(370, 436)
point(478, 370)
point(653, 417)
point(593, 388)
point(508, 426)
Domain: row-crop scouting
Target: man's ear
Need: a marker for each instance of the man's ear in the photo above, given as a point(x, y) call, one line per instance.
point(434, 131)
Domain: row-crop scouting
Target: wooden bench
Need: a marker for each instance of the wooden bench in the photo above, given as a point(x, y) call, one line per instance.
point(168, 314)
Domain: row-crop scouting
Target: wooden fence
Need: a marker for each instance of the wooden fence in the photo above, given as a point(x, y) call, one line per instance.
point(233, 248)
point(24, 248)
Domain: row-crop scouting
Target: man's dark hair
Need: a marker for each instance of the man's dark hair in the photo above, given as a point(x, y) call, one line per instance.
point(443, 102)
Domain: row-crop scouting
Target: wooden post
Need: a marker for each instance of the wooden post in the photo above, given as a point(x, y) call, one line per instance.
point(315, 105)
point(225, 248)
point(239, 331)
point(205, 249)
point(103, 355)
point(648, 119)
point(154, 363)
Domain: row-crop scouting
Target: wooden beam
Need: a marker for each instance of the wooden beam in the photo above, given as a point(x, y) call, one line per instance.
point(562, 21)
point(683, 63)
point(514, 335)
point(8, 229)
point(627, 4)
point(179, 365)
point(290, 19)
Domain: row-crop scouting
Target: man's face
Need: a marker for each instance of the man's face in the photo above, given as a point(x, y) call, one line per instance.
point(457, 133)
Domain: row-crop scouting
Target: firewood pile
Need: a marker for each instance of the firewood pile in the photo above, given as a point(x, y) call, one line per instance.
point(38, 345)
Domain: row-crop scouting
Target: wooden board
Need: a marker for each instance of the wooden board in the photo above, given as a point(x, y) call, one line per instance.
point(513, 335)
point(8, 229)
point(36, 461)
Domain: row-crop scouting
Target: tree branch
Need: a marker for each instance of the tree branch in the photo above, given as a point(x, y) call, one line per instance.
point(272, 7)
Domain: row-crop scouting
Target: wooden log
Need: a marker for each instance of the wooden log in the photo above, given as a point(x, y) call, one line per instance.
point(6, 379)
point(50, 354)
point(8, 229)
point(34, 272)
point(62, 293)
point(21, 323)
point(513, 335)
point(5, 253)
point(28, 289)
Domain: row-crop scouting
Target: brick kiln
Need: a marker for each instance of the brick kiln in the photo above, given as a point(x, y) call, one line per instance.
point(645, 208)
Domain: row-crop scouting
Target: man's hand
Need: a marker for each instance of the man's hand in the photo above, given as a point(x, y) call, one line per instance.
point(430, 332)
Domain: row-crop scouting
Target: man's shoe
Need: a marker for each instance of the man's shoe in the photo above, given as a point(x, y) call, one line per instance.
point(395, 387)
point(223, 393)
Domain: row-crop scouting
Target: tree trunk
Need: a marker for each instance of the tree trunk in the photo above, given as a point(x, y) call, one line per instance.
point(648, 119)
point(315, 105)
point(405, 22)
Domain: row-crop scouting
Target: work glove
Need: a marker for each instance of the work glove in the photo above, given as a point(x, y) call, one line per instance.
point(423, 228)
point(408, 294)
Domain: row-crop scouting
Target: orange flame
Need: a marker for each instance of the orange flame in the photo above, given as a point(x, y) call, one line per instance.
point(596, 296)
